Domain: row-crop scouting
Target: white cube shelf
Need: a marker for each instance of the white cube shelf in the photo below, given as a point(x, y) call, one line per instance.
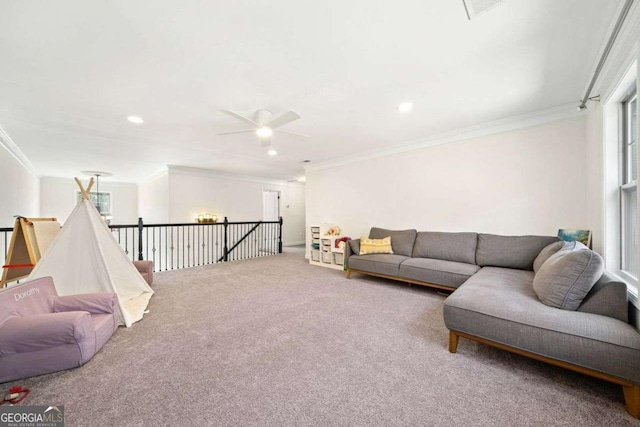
point(322, 248)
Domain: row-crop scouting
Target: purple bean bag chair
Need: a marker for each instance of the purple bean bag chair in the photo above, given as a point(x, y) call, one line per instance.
point(41, 332)
point(145, 268)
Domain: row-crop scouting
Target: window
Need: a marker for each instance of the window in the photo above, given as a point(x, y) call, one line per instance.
point(630, 246)
point(102, 202)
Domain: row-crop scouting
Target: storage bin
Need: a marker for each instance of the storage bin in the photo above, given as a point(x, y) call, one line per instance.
point(326, 257)
point(338, 258)
point(315, 256)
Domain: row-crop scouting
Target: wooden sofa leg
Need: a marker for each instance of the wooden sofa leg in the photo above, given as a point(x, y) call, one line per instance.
point(453, 342)
point(348, 274)
point(632, 399)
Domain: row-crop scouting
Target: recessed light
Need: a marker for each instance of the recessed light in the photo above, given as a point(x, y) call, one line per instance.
point(306, 161)
point(405, 106)
point(264, 132)
point(135, 119)
point(272, 152)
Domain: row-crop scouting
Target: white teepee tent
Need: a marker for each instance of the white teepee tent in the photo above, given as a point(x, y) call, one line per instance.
point(85, 257)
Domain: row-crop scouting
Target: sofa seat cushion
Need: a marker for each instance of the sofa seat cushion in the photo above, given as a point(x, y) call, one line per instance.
point(387, 264)
point(437, 271)
point(499, 304)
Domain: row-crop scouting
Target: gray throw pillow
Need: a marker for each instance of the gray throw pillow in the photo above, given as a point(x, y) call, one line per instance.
point(567, 277)
point(547, 252)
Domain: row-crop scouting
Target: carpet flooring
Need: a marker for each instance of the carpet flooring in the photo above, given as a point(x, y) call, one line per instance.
point(274, 341)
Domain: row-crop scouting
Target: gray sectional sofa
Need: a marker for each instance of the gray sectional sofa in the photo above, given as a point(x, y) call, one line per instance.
point(495, 302)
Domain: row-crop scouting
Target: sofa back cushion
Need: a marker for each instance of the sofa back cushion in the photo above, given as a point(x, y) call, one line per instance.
point(566, 278)
point(608, 297)
point(401, 240)
point(517, 252)
point(28, 298)
point(460, 247)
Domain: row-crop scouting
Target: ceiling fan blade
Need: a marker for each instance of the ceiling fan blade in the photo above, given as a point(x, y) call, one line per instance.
point(292, 133)
point(284, 119)
point(237, 131)
point(265, 142)
point(240, 117)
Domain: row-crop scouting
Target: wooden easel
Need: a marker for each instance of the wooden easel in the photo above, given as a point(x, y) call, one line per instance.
point(24, 251)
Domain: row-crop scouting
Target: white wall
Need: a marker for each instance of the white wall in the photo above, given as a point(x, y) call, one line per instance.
point(19, 190)
point(58, 198)
point(529, 181)
point(193, 191)
point(153, 200)
point(594, 176)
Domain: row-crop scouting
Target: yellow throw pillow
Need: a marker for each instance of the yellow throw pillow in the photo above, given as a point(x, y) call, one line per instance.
point(375, 246)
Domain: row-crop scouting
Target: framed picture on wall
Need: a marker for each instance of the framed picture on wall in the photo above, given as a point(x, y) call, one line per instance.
point(570, 235)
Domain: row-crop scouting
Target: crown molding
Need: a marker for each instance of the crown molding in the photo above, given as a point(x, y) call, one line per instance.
point(103, 181)
point(623, 53)
point(12, 148)
point(157, 174)
point(186, 170)
point(536, 118)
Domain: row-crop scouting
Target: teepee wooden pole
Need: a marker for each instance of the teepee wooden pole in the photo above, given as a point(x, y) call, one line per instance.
point(83, 192)
point(91, 182)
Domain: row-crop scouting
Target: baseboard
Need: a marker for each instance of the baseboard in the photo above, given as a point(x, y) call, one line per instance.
point(293, 243)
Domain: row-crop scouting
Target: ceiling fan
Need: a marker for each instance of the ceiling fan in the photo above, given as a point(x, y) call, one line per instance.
point(263, 124)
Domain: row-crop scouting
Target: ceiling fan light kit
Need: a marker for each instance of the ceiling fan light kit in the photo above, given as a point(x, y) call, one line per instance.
point(405, 107)
point(264, 132)
point(137, 120)
point(264, 125)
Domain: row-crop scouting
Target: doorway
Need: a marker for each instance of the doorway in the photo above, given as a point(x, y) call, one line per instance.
point(270, 212)
point(270, 205)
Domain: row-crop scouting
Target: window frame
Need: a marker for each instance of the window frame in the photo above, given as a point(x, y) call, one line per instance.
point(626, 130)
point(627, 184)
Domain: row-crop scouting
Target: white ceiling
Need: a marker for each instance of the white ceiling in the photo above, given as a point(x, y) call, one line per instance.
point(72, 71)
